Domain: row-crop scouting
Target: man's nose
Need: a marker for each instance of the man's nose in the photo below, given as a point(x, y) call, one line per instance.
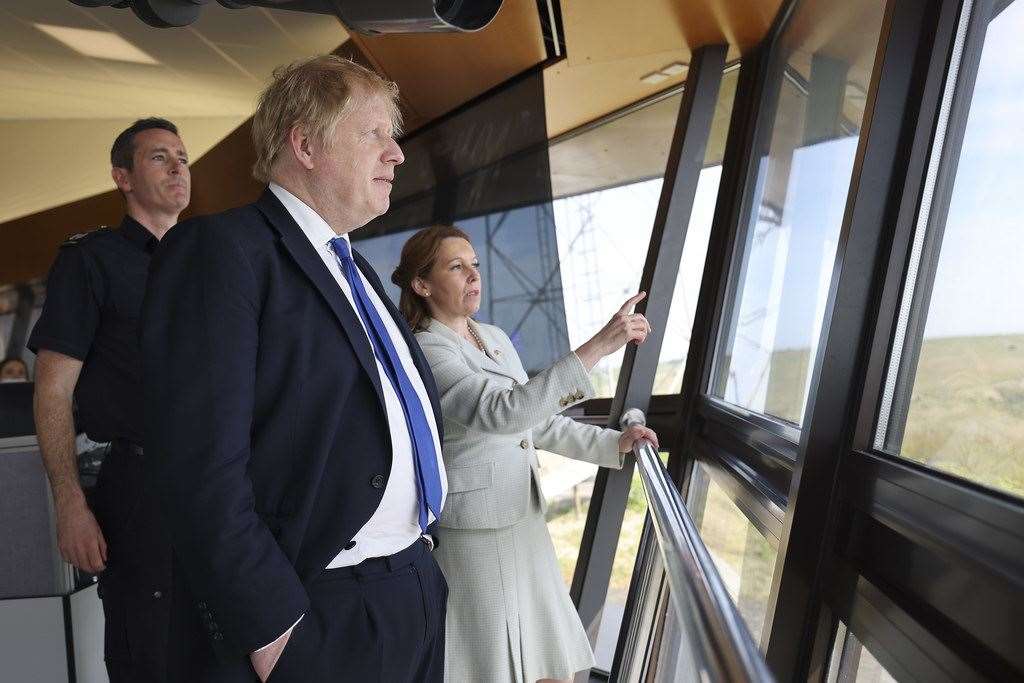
point(393, 154)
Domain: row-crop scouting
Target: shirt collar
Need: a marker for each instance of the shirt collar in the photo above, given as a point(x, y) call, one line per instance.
point(315, 228)
point(138, 235)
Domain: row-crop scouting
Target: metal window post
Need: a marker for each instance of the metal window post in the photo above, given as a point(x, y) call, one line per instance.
point(636, 380)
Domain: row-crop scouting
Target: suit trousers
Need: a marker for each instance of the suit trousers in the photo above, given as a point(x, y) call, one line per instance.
point(382, 620)
point(136, 586)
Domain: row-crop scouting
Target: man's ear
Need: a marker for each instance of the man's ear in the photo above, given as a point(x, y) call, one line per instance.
point(121, 179)
point(301, 147)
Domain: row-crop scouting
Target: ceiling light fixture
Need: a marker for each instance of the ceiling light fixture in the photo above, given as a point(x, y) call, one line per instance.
point(100, 44)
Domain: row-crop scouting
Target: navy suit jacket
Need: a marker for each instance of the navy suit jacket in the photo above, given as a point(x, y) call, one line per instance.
point(266, 430)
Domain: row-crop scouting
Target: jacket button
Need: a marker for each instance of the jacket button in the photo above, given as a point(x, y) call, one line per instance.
point(350, 545)
point(158, 594)
point(524, 444)
point(377, 482)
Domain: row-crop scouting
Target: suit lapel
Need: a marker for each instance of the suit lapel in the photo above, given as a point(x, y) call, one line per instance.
point(299, 248)
point(501, 367)
point(483, 359)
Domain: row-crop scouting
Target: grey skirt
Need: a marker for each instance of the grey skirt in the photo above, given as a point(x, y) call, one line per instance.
point(510, 618)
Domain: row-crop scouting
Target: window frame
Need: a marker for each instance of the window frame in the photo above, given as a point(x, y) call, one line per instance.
point(841, 492)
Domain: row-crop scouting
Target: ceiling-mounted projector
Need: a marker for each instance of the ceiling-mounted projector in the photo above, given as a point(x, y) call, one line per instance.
point(370, 17)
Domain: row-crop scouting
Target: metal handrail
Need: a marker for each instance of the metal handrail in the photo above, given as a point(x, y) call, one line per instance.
point(703, 606)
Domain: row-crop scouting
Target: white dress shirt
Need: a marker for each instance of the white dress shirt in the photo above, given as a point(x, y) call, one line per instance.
point(395, 524)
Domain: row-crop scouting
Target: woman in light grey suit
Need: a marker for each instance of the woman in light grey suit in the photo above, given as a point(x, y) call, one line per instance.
point(509, 613)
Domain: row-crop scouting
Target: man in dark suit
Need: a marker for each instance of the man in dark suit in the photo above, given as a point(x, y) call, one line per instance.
point(296, 422)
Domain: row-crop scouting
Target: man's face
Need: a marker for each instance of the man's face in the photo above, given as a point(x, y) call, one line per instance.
point(354, 173)
point(159, 181)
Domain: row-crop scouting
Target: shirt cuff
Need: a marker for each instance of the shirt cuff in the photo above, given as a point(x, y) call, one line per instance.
point(292, 628)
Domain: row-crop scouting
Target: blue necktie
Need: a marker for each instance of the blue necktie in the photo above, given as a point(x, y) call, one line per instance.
point(424, 455)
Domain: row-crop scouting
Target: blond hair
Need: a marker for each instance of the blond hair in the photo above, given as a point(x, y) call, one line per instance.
point(313, 93)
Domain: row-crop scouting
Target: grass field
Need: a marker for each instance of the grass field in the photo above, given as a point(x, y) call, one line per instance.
point(567, 529)
point(966, 413)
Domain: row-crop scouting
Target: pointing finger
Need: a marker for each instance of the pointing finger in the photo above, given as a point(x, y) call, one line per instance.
point(632, 301)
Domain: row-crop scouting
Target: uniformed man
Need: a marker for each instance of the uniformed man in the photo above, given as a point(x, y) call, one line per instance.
point(87, 354)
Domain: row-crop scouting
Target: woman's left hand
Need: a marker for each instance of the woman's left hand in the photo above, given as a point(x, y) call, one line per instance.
point(633, 434)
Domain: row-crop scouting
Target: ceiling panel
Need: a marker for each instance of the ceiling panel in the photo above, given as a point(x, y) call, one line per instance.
point(437, 72)
point(60, 110)
point(214, 67)
point(611, 45)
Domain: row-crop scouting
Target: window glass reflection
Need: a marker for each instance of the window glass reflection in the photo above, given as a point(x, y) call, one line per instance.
point(745, 558)
point(676, 345)
point(798, 199)
point(964, 372)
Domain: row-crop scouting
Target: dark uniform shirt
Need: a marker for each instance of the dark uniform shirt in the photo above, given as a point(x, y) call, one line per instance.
point(93, 298)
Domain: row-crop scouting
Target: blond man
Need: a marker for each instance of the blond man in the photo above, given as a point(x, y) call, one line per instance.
point(296, 419)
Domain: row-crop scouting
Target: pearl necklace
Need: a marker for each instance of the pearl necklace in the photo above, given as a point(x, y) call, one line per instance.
point(476, 337)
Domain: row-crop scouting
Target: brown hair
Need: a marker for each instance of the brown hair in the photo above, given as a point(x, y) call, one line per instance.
point(418, 257)
point(314, 93)
point(122, 153)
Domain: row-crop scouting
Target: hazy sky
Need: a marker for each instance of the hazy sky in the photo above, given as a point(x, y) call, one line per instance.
point(979, 283)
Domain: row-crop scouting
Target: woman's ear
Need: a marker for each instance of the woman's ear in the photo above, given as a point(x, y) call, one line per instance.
point(420, 287)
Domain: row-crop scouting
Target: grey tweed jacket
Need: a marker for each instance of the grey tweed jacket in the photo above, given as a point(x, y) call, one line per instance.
point(494, 419)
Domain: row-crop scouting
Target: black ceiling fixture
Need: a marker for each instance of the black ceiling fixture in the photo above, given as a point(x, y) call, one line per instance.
point(369, 17)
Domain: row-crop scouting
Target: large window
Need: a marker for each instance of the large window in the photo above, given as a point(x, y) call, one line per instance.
point(602, 242)
point(786, 251)
point(744, 556)
point(955, 393)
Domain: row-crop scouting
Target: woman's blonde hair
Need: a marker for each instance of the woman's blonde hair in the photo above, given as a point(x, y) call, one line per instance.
point(313, 93)
point(418, 257)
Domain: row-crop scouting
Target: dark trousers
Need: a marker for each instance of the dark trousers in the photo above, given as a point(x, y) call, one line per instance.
point(381, 621)
point(136, 586)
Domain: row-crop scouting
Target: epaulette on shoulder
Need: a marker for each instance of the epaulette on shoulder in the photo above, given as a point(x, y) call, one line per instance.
point(77, 239)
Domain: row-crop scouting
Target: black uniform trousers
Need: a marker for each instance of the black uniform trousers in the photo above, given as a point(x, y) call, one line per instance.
point(381, 621)
point(136, 586)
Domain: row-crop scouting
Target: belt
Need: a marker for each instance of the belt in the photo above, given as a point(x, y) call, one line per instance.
point(380, 565)
point(126, 446)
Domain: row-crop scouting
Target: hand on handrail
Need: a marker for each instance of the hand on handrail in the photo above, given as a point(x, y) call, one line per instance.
point(634, 433)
